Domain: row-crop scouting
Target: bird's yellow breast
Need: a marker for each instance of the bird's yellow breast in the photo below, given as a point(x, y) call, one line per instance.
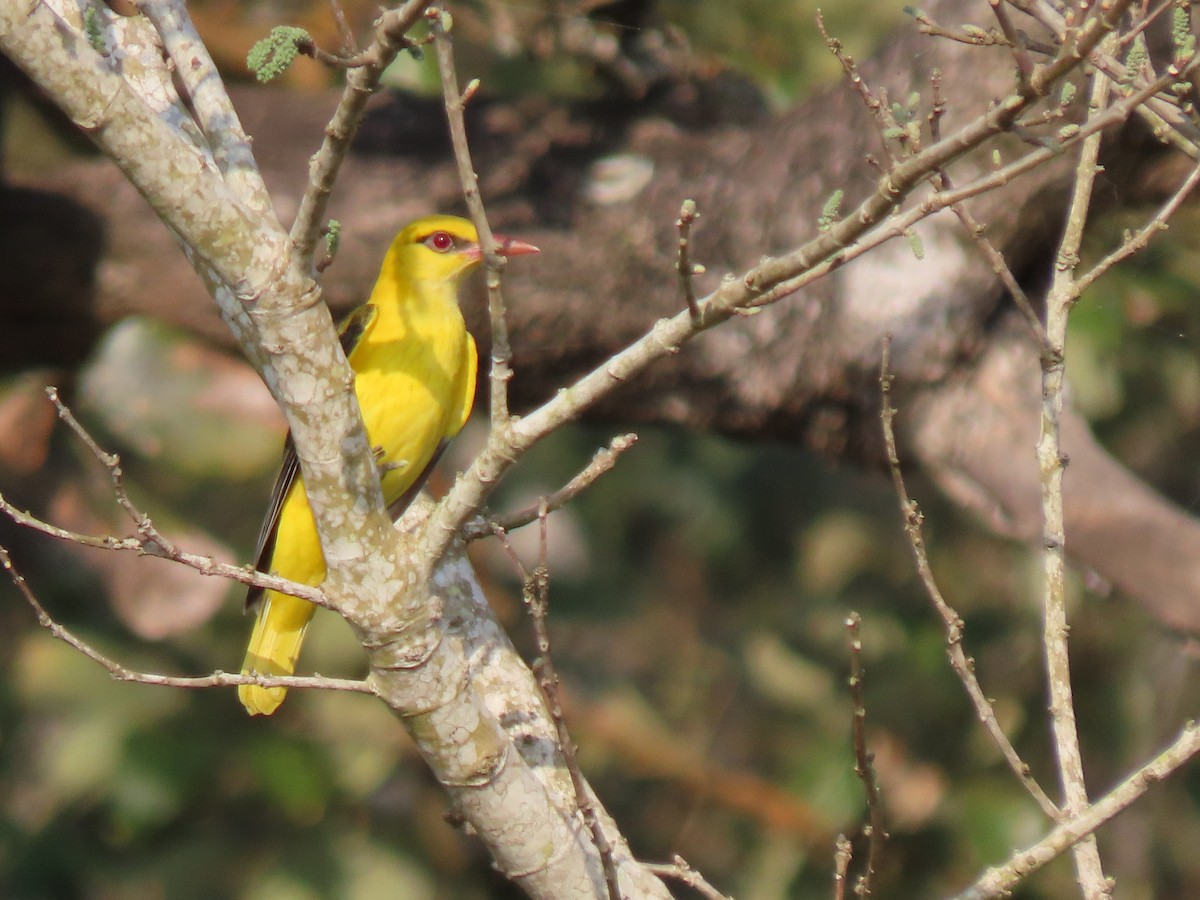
point(415, 377)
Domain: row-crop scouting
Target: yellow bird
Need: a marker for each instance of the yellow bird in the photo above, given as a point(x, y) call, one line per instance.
point(414, 365)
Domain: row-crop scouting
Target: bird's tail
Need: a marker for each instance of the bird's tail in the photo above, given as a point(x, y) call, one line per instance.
point(274, 647)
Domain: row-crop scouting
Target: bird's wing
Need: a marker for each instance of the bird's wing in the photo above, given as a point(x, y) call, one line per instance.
point(356, 326)
point(270, 526)
point(350, 332)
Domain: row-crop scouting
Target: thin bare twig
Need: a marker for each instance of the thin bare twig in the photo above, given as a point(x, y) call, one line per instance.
point(1146, 22)
point(770, 280)
point(308, 47)
point(122, 673)
point(112, 462)
point(164, 549)
point(683, 260)
point(899, 223)
point(349, 43)
point(884, 120)
point(536, 594)
point(976, 230)
point(681, 870)
point(1014, 39)
point(873, 830)
point(1129, 36)
point(389, 30)
point(501, 367)
point(602, 462)
point(842, 855)
point(1000, 880)
point(149, 541)
point(1138, 241)
point(976, 37)
point(1061, 296)
point(1165, 119)
point(962, 664)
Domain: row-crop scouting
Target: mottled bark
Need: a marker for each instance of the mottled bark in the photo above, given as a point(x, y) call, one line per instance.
point(598, 187)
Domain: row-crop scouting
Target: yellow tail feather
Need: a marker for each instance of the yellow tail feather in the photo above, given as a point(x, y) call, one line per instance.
point(274, 648)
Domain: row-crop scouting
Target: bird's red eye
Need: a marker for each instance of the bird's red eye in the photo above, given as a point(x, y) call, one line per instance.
point(441, 241)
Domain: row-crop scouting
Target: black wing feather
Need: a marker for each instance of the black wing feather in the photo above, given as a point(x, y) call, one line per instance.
point(270, 526)
point(355, 325)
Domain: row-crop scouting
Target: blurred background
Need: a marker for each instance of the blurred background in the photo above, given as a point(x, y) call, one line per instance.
point(698, 599)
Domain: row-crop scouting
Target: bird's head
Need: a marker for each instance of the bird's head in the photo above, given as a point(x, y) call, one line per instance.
point(439, 249)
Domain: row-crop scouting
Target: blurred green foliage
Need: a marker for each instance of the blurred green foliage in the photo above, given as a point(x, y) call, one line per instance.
point(699, 597)
point(778, 43)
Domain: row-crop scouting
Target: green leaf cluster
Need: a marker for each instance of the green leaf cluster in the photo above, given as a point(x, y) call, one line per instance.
point(270, 57)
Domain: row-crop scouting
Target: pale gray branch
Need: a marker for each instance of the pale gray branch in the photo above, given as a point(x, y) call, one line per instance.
point(1001, 880)
point(361, 82)
point(1060, 298)
point(123, 673)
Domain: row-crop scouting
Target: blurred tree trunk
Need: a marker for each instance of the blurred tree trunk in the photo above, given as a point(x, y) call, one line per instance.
point(598, 187)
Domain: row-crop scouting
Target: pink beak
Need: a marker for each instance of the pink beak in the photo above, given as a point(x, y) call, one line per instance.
point(508, 246)
point(514, 246)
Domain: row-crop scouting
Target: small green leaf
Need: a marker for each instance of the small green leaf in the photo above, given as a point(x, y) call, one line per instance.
point(831, 211)
point(1181, 24)
point(270, 57)
point(1135, 60)
point(915, 243)
point(333, 236)
point(1187, 49)
point(91, 27)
